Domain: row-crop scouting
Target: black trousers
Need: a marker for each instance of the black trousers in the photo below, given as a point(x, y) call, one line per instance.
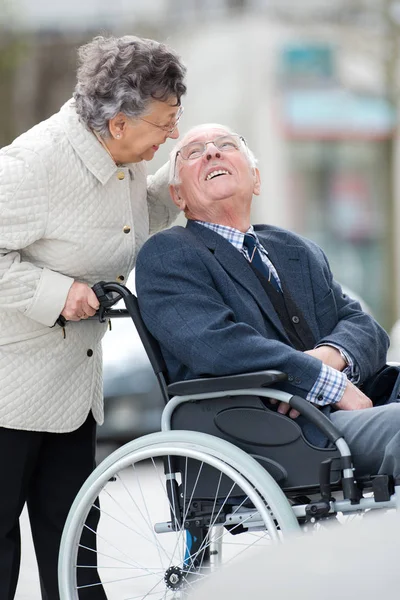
point(45, 470)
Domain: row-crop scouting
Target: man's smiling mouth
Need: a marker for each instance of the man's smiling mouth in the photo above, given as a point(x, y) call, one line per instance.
point(216, 174)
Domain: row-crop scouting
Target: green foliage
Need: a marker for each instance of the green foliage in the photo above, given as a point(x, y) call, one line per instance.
point(12, 50)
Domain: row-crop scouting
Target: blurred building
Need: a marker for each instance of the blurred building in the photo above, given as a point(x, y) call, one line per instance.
point(303, 83)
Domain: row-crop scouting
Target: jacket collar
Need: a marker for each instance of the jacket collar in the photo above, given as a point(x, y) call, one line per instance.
point(239, 269)
point(95, 158)
point(289, 259)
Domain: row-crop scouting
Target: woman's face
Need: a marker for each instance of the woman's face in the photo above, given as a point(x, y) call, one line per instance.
point(140, 138)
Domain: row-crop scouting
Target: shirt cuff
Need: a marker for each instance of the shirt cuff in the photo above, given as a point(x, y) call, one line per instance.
point(329, 387)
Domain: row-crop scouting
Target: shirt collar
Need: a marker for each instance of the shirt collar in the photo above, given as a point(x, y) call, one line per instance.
point(232, 235)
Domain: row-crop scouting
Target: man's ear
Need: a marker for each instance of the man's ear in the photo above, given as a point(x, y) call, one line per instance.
point(174, 192)
point(257, 182)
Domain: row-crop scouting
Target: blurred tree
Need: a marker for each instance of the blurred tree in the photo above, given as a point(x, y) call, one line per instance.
point(12, 50)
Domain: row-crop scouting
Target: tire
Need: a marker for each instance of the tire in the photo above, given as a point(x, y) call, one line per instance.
point(135, 558)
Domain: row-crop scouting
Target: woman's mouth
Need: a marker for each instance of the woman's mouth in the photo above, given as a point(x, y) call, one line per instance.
point(155, 148)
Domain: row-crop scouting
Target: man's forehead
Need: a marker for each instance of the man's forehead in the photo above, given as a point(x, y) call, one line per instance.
point(208, 133)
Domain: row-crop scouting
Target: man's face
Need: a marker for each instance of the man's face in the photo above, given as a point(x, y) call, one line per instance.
point(219, 180)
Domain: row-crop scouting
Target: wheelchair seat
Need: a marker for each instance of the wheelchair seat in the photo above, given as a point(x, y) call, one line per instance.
point(276, 441)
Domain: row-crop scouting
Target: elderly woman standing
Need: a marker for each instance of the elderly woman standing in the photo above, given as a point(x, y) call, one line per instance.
point(75, 207)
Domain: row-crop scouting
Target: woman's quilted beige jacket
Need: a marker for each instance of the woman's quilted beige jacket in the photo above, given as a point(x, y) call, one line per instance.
point(64, 208)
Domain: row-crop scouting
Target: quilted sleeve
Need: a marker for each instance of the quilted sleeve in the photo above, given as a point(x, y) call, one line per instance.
point(37, 292)
point(162, 210)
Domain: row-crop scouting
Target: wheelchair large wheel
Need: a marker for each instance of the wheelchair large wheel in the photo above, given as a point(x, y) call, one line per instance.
point(160, 529)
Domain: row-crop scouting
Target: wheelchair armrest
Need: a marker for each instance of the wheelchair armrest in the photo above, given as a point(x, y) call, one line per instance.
point(315, 416)
point(208, 385)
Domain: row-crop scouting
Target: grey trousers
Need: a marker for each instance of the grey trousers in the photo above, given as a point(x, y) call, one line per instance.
point(373, 435)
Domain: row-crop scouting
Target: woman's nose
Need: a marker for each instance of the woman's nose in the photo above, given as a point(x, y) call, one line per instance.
point(174, 134)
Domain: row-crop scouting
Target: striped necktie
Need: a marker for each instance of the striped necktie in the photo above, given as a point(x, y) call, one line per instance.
point(255, 259)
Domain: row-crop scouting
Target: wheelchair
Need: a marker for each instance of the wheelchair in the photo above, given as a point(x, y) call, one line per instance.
point(224, 477)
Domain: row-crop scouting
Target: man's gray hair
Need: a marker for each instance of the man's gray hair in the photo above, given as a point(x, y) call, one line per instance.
point(174, 178)
point(124, 75)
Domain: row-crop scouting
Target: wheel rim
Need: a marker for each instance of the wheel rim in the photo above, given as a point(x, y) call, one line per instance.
point(134, 561)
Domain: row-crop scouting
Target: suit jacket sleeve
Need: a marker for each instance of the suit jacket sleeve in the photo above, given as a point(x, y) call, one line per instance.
point(355, 331)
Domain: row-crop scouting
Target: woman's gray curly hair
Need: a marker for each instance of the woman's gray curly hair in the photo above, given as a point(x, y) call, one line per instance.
point(124, 75)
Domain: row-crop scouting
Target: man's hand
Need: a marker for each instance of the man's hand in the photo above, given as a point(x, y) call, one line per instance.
point(329, 355)
point(81, 302)
point(284, 409)
point(353, 399)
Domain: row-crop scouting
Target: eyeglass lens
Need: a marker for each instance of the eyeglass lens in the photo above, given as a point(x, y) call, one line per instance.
point(225, 143)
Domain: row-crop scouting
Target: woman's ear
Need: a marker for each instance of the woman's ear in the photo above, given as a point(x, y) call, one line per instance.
point(174, 192)
point(257, 182)
point(117, 125)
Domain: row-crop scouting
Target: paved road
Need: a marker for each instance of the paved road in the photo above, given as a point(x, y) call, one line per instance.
point(367, 547)
point(132, 557)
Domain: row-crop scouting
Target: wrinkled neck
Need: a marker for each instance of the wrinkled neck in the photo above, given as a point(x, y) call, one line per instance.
point(226, 212)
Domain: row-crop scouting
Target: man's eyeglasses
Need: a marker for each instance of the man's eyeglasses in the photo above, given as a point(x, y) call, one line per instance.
point(225, 143)
point(170, 128)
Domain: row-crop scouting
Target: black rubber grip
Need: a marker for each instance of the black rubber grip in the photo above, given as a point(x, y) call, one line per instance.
point(106, 299)
point(311, 412)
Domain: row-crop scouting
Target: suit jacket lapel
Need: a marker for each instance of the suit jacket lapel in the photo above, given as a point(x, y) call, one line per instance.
point(291, 262)
point(238, 268)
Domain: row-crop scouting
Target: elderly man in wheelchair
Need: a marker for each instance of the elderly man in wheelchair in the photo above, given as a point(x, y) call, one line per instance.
point(280, 409)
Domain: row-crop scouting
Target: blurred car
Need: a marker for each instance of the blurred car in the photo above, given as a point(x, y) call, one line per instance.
point(394, 349)
point(132, 400)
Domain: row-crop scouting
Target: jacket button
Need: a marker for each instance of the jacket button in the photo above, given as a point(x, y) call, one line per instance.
point(290, 378)
point(295, 319)
point(89, 352)
point(126, 229)
point(297, 380)
point(120, 278)
point(121, 175)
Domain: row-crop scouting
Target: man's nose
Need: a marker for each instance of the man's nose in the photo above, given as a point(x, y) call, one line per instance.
point(215, 154)
point(212, 151)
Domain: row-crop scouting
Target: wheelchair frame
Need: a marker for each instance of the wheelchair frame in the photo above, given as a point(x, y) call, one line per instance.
point(269, 506)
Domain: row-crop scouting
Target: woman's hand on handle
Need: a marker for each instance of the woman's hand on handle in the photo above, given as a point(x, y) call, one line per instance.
point(81, 302)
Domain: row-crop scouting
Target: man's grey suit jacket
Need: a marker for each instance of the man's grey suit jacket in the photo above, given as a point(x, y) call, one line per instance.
point(202, 301)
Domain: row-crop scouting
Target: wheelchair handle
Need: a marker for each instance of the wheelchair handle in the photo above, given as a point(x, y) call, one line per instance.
point(109, 294)
point(107, 299)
